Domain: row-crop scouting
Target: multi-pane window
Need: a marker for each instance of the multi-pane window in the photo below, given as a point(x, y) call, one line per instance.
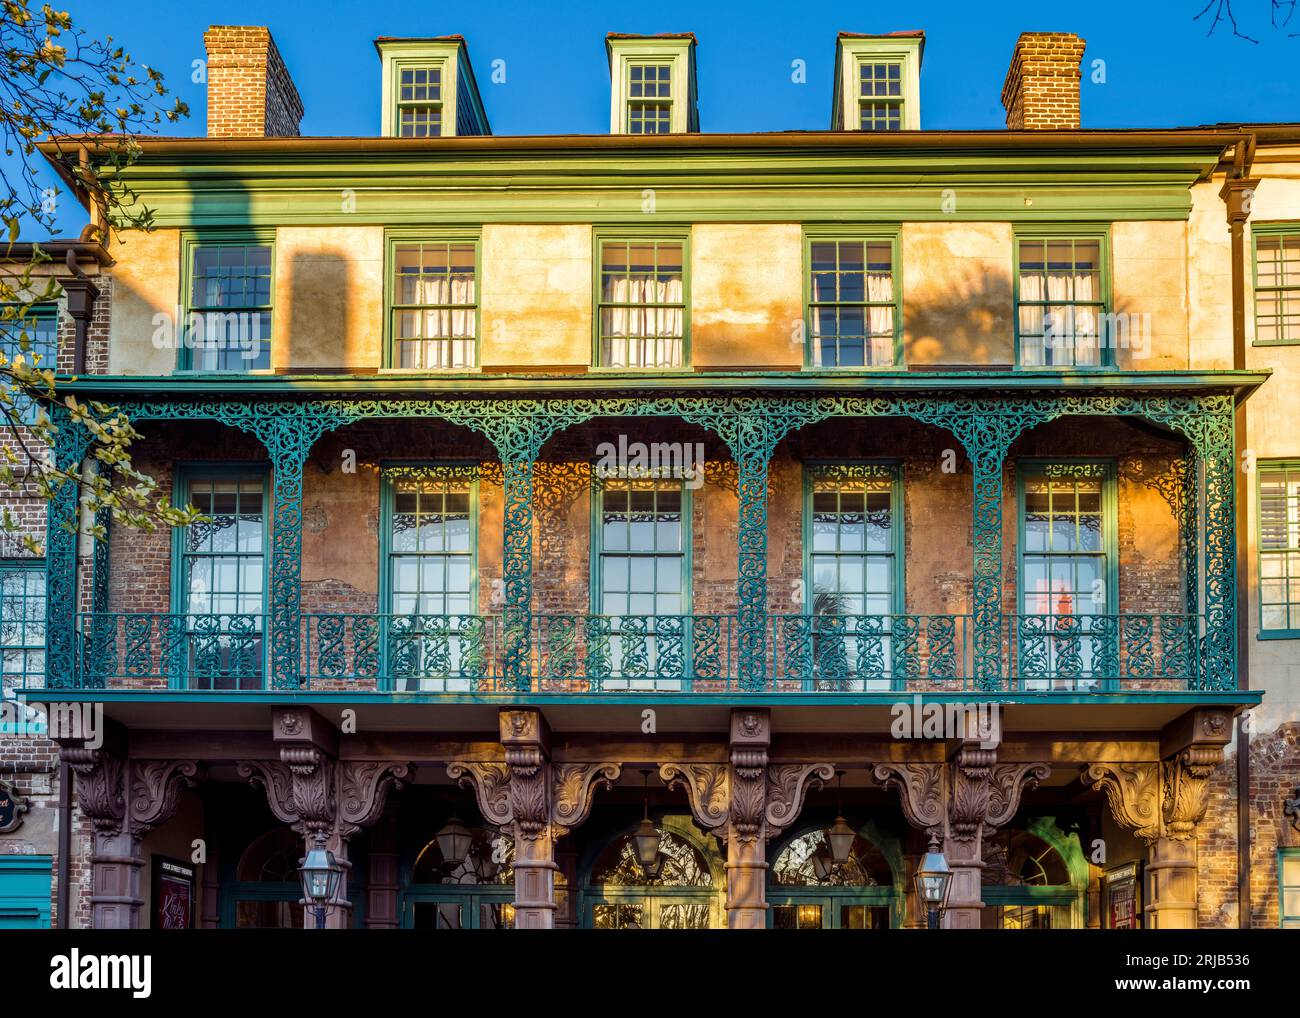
point(419, 102)
point(431, 640)
point(222, 580)
point(435, 305)
point(1288, 878)
point(1061, 302)
point(1277, 287)
point(1065, 561)
point(1279, 546)
point(641, 312)
point(34, 337)
point(22, 623)
point(852, 303)
point(228, 325)
point(880, 96)
point(649, 92)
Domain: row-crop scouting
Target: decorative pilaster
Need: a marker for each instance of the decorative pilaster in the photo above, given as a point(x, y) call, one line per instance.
point(755, 438)
point(62, 524)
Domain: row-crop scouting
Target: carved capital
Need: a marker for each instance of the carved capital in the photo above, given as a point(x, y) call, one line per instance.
point(1187, 781)
point(574, 786)
point(707, 786)
point(101, 786)
point(1007, 783)
point(300, 787)
point(155, 787)
point(787, 784)
point(1132, 791)
point(920, 788)
point(490, 782)
point(363, 790)
point(968, 806)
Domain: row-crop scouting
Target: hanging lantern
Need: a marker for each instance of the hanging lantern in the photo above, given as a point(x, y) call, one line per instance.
point(646, 838)
point(840, 837)
point(454, 841)
point(822, 862)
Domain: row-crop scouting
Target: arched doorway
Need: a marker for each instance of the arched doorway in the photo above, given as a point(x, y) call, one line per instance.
point(267, 890)
point(808, 890)
point(683, 891)
point(1035, 878)
point(473, 892)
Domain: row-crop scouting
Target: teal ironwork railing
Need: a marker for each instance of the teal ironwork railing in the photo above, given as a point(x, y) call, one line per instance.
point(700, 653)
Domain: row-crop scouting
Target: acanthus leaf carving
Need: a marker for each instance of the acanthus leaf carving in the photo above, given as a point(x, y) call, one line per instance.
point(1007, 783)
point(787, 785)
point(707, 787)
point(363, 790)
point(155, 787)
point(575, 786)
point(490, 782)
point(1132, 791)
point(101, 790)
point(275, 778)
point(920, 788)
point(1187, 786)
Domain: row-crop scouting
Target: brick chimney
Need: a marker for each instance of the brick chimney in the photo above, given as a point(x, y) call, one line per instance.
point(1042, 86)
point(250, 93)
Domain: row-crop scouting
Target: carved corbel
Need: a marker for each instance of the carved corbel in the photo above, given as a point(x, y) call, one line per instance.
point(1007, 783)
point(101, 786)
point(707, 786)
point(490, 783)
point(1187, 785)
point(971, 769)
point(787, 785)
point(275, 779)
point(363, 790)
point(751, 735)
point(574, 786)
point(526, 739)
point(920, 788)
point(1132, 791)
point(155, 787)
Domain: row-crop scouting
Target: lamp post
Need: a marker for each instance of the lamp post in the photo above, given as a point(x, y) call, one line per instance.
point(933, 882)
point(321, 874)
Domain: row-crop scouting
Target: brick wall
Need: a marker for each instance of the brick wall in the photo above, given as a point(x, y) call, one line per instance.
point(1041, 90)
point(250, 93)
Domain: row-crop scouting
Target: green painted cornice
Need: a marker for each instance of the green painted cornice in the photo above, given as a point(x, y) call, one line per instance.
point(542, 386)
point(790, 177)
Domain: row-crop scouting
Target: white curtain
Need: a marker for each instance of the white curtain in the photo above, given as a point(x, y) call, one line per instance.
point(1073, 329)
point(446, 334)
point(642, 337)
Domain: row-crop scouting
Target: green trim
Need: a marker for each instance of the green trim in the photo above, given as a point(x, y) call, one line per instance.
point(1278, 634)
point(865, 233)
point(408, 235)
point(603, 235)
point(1274, 229)
point(1039, 230)
point(198, 237)
point(1262, 467)
point(184, 473)
point(1286, 921)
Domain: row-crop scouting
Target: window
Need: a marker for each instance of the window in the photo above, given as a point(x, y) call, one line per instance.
point(1067, 556)
point(1288, 879)
point(222, 578)
point(1060, 301)
point(852, 303)
point(434, 310)
point(429, 578)
point(22, 623)
point(35, 338)
point(1279, 548)
point(880, 96)
point(1277, 284)
point(228, 322)
point(649, 103)
point(641, 312)
point(419, 101)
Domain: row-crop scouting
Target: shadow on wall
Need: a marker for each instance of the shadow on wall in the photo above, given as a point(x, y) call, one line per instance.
point(317, 303)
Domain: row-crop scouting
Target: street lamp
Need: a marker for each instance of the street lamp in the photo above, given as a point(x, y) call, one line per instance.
point(933, 882)
point(321, 874)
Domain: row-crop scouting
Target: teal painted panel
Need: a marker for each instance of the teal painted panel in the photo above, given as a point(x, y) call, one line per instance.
point(25, 882)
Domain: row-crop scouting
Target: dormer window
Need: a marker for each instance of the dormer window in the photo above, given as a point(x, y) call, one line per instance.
point(429, 89)
point(877, 82)
point(652, 84)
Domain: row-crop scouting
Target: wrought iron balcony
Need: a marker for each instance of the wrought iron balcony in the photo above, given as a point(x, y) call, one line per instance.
point(670, 654)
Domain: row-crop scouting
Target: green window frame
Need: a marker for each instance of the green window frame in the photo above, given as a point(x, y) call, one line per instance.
point(880, 94)
point(224, 274)
point(22, 624)
point(642, 320)
point(1276, 279)
point(1063, 297)
point(1056, 500)
point(649, 97)
point(34, 335)
point(1288, 888)
point(1277, 493)
point(418, 110)
point(220, 575)
point(433, 315)
point(849, 323)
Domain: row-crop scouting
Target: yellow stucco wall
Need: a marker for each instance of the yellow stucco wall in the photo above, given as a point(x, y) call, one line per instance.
point(1149, 288)
point(329, 298)
point(146, 283)
point(957, 293)
point(1209, 279)
point(747, 296)
point(536, 296)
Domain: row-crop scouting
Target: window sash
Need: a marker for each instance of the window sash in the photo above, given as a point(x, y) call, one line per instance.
point(858, 492)
point(1277, 287)
point(641, 309)
point(213, 293)
point(642, 550)
point(41, 327)
point(1080, 295)
point(879, 313)
point(22, 624)
point(1278, 491)
point(446, 315)
point(431, 105)
point(437, 556)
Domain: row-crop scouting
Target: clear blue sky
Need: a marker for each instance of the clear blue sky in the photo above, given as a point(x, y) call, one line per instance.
point(1161, 70)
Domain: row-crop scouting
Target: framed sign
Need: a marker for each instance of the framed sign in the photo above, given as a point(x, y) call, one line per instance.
point(12, 808)
point(173, 894)
point(1122, 898)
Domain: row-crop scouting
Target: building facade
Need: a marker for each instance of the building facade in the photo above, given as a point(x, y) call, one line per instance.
point(676, 530)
